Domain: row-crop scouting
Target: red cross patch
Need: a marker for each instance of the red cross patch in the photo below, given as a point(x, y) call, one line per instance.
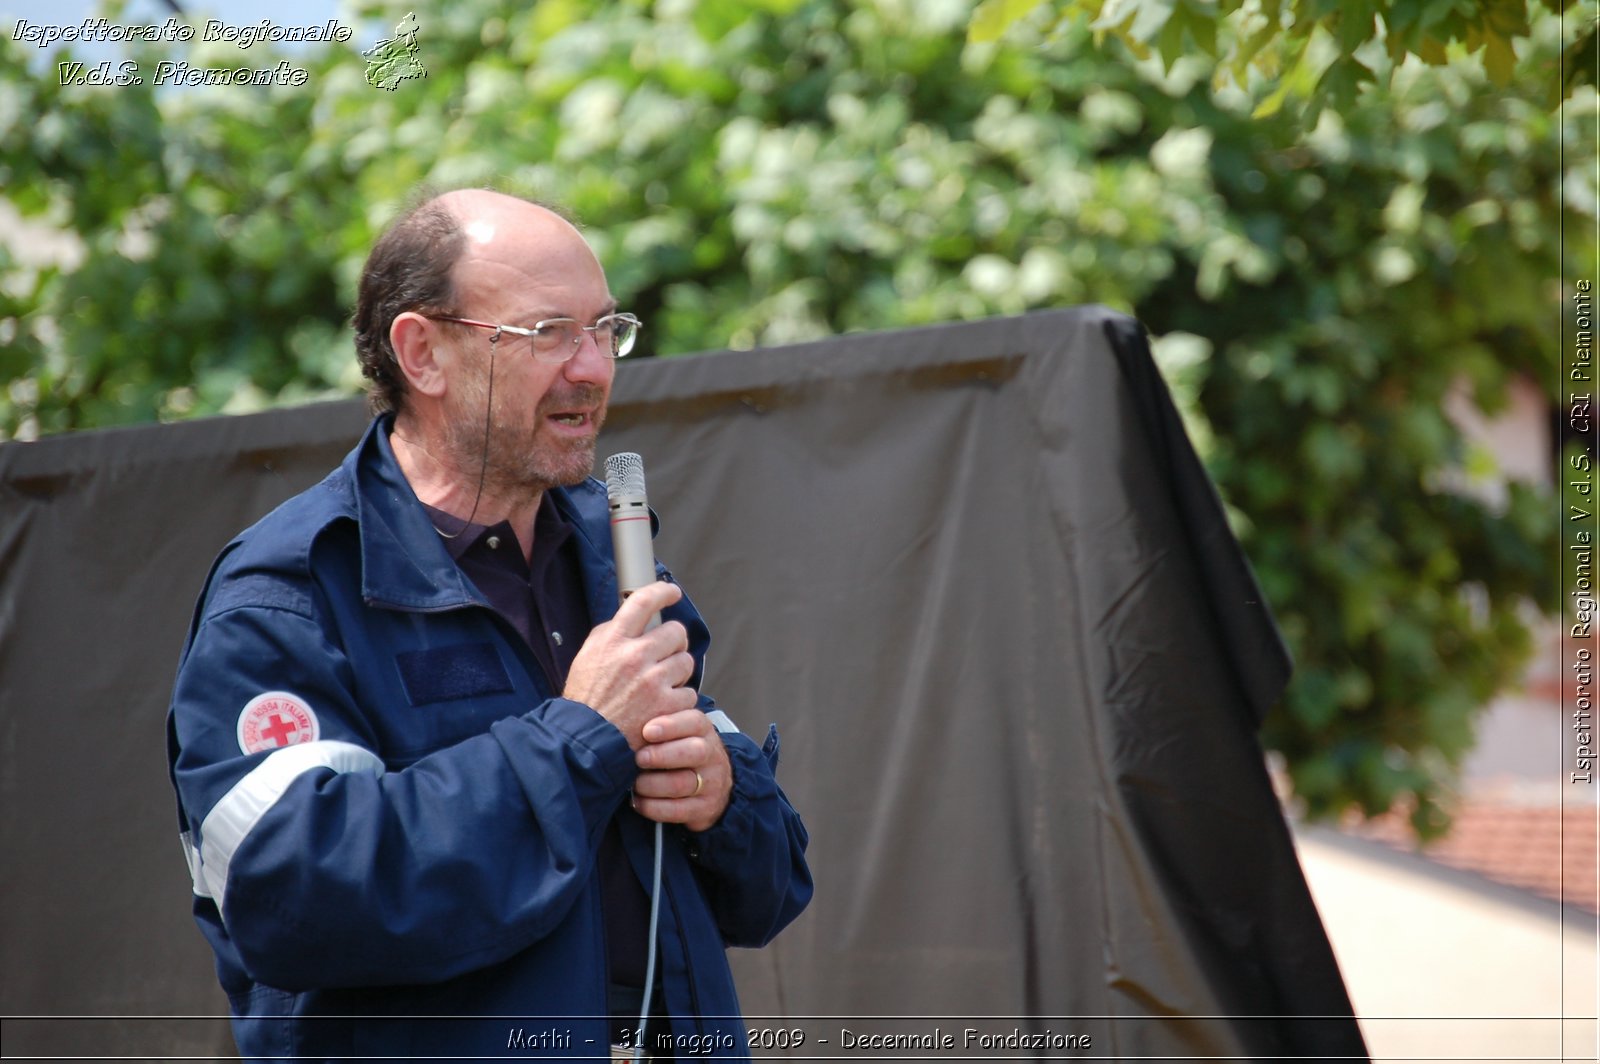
point(276, 719)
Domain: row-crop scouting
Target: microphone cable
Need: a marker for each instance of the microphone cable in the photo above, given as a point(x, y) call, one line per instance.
point(650, 959)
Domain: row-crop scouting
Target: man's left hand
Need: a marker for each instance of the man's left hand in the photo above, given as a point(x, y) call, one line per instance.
point(684, 774)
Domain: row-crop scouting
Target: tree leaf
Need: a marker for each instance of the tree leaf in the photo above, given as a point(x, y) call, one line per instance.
point(1499, 60)
point(993, 18)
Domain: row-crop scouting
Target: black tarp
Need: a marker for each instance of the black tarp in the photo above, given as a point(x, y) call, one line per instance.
point(974, 572)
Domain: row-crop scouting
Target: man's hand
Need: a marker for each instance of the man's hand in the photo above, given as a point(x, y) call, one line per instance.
point(630, 676)
point(684, 774)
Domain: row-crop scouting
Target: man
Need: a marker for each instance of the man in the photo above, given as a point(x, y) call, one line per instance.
point(420, 751)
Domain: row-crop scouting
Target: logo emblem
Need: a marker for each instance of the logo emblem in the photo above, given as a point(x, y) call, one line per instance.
point(393, 60)
point(274, 720)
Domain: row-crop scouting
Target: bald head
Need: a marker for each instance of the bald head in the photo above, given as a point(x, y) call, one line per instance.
point(482, 214)
point(424, 257)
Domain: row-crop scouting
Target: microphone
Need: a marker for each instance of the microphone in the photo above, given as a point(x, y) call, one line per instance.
point(636, 567)
point(630, 526)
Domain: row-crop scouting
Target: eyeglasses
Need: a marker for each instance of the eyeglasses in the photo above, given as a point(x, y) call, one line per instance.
point(556, 340)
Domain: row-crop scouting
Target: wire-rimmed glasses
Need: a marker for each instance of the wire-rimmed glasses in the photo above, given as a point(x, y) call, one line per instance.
point(556, 340)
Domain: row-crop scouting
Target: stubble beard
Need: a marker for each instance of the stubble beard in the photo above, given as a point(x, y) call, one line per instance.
point(520, 457)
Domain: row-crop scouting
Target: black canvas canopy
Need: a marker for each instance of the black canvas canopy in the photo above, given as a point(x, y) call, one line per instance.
point(976, 575)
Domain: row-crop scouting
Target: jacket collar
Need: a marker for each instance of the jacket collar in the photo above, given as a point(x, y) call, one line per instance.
point(404, 563)
point(586, 509)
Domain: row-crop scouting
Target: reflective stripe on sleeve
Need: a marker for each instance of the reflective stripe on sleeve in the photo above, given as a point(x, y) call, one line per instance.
point(722, 722)
point(233, 817)
point(192, 856)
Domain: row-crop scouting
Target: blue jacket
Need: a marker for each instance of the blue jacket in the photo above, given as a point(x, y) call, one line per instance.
point(423, 857)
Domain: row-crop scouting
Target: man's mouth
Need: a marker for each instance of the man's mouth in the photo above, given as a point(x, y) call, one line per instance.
point(585, 412)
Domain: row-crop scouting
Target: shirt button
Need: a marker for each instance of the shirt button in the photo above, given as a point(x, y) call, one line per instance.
point(557, 637)
point(494, 542)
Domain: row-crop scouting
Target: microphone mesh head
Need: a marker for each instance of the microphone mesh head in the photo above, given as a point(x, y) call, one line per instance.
point(624, 475)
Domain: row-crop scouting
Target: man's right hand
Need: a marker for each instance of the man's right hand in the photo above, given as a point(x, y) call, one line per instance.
point(631, 676)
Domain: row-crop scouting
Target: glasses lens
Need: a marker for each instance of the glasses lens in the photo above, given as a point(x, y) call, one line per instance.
point(624, 331)
point(556, 339)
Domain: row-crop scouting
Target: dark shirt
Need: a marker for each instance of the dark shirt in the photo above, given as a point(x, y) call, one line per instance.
point(543, 599)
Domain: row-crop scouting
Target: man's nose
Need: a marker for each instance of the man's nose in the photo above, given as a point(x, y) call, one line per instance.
point(589, 362)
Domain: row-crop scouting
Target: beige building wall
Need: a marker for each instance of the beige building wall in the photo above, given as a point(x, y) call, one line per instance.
point(1445, 966)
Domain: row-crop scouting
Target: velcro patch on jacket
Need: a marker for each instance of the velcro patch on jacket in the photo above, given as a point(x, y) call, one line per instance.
point(466, 670)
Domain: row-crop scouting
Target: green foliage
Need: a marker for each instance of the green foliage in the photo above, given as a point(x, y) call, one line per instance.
point(1428, 259)
point(754, 174)
point(204, 263)
point(1321, 51)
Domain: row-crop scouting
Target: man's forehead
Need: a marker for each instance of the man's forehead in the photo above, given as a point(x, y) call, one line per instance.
point(529, 256)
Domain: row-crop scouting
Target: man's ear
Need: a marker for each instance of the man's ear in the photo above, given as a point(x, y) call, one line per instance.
point(415, 341)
